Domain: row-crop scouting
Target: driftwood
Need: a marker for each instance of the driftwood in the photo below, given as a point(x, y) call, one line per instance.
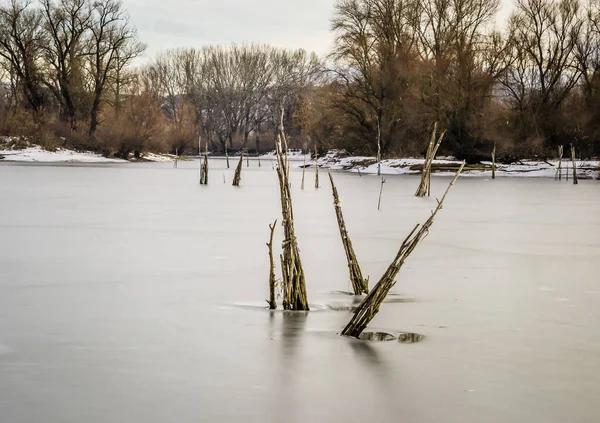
point(494, 162)
point(558, 174)
point(294, 283)
point(575, 181)
point(425, 185)
point(370, 305)
point(272, 281)
point(316, 167)
point(360, 285)
point(204, 168)
point(303, 172)
point(237, 177)
point(380, 194)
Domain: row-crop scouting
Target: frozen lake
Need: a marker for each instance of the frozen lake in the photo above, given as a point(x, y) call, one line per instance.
point(129, 293)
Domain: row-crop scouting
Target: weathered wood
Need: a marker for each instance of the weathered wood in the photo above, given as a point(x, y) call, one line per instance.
point(369, 307)
point(176, 157)
point(294, 283)
point(316, 167)
point(226, 156)
point(558, 174)
point(575, 181)
point(204, 169)
point(494, 162)
point(272, 280)
point(237, 177)
point(303, 172)
point(380, 193)
point(360, 285)
point(425, 184)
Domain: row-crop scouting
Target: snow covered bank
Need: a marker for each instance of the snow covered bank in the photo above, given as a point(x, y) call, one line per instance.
point(38, 154)
point(17, 150)
point(445, 166)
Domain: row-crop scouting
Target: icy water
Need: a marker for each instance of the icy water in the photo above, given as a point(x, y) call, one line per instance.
point(129, 293)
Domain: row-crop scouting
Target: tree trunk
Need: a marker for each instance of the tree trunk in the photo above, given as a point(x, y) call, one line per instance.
point(359, 284)
point(272, 280)
point(237, 177)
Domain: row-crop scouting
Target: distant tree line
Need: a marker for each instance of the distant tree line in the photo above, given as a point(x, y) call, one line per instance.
point(70, 77)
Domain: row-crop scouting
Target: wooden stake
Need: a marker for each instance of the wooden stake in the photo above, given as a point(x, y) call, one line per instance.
point(176, 157)
point(575, 181)
point(425, 185)
point(272, 281)
point(303, 172)
point(559, 170)
point(294, 283)
point(380, 193)
point(494, 162)
point(204, 168)
point(237, 177)
point(369, 307)
point(200, 156)
point(359, 284)
point(316, 167)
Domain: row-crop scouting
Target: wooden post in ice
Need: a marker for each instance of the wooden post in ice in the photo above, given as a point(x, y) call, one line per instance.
point(425, 185)
point(494, 162)
point(200, 156)
point(303, 171)
point(272, 280)
point(380, 193)
point(575, 182)
point(226, 155)
point(176, 157)
point(294, 283)
point(369, 307)
point(316, 167)
point(204, 168)
point(237, 177)
point(359, 284)
point(558, 174)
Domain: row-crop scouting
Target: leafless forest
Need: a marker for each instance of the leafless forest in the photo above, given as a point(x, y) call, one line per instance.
point(72, 75)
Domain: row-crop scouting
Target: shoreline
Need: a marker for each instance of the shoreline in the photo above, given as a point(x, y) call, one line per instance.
point(334, 160)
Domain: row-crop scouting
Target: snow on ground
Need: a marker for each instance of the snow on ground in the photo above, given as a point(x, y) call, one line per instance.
point(151, 157)
point(293, 156)
point(36, 153)
point(537, 169)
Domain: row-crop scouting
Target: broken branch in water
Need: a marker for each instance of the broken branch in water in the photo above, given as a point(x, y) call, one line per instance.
point(359, 284)
point(369, 307)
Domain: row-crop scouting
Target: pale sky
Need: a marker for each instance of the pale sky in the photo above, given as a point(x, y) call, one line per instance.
point(164, 24)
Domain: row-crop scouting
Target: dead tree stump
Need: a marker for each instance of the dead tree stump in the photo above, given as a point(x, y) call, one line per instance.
point(425, 185)
point(237, 177)
point(204, 169)
point(360, 285)
point(494, 162)
point(294, 283)
point(272, 280)
point(558, 174)
point(316, 167)
point(369, 307)
point(303, 172)
point(575, 181)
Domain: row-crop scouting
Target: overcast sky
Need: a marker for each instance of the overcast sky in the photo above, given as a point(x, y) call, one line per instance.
point(165, 24)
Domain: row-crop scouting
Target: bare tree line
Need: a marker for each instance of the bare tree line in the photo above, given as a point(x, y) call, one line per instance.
point(67, 68)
